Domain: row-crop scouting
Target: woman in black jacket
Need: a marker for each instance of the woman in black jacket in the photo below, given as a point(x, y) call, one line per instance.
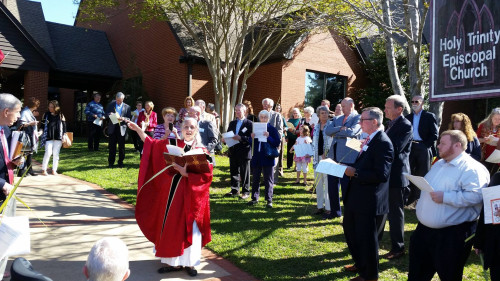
point(53, 131)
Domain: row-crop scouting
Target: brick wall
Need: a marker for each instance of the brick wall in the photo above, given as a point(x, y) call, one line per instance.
point(152, 52)
point(36, 84)
point(67, 103)
point(266, 82)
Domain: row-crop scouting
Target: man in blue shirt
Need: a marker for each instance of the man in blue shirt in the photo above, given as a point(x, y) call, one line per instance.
point(95, 114)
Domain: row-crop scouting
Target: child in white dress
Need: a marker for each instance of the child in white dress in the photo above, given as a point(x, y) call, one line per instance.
point(302, 163)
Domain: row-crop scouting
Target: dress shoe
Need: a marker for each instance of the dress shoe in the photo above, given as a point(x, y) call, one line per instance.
point(351, 268)
point(252, 203)
point(245, 196)
point(318, 212)
point(393, 255)
point(120, 165)
point(191, 271)
point(231, 194)
point(269, 205)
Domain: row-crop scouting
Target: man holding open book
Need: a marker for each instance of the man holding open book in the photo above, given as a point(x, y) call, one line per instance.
point(447, 215)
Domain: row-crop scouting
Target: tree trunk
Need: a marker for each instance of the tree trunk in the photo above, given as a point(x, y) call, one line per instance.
point(390, 56)
point(437, 109)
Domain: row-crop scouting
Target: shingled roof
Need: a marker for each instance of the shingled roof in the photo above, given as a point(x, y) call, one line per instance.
point(73, 49)
point(81, 50)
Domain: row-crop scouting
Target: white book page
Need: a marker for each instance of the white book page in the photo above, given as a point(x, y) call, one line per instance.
point(228, 138)
point(420, 182)
point(98, 121)
point(13, 142)
point(14, 236)
point(114, 118)
point(494, 157)
point(175, 150)
point(330, 167)
point(354, 144)
point(304, 149)
point(258, 129)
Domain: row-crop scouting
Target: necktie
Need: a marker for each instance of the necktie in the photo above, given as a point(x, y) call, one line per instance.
point(6, 156)
point(345, 119)
point(363, 145)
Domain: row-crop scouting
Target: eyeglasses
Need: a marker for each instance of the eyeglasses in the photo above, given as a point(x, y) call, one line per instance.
point(363, 119)
point(415, 101)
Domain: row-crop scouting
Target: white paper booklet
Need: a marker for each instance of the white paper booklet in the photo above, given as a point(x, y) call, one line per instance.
point(314, 119)
point(14, 236)
point(228, 138)
point(491, 203)
point(494, 157)
point(304, 149)
point(330, 167)
point(13, 142)
point(177, 151)
point(98, 121)
point(114, 118)
point(258, 129)
point(354, 144)
point(420, 182)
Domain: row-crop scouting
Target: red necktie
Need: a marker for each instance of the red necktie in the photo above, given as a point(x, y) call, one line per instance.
point(345, 118)
point(363, 145)
point(6, 157)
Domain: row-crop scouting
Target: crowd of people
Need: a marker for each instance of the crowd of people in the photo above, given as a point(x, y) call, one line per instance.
point(173, 209)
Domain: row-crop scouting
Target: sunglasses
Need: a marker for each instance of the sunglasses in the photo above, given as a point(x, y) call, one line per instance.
point(415, 101)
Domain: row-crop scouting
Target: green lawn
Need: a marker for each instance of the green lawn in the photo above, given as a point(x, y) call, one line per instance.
point(283, 243)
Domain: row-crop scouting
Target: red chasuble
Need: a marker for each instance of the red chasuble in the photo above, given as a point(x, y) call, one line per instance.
point(167, 206)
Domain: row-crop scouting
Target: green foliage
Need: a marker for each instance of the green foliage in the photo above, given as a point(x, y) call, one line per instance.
point(284, 243)
point(379, 85)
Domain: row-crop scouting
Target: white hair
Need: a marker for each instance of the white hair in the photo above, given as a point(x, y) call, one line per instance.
point(269, 101)
point(240, 105)
point(197, 137)
point(120, 95)
point(108, 260)
point(196, 108)
point(8, 101)
point(200, 103)
point(309, 110)
point(265, 112)
point(298, 112)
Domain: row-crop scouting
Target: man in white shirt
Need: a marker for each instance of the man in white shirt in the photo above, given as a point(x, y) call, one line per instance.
point(448, 215)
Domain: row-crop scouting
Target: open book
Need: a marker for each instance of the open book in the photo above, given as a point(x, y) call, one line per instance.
point(195, 159)
point(419, 182)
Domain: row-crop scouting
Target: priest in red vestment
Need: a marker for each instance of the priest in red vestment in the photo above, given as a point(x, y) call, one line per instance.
point(172, 208)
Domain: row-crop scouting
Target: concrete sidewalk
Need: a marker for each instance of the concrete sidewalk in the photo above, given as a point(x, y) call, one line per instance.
point(76, 214)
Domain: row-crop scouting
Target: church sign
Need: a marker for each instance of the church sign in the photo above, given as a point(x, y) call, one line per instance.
point(465, 60)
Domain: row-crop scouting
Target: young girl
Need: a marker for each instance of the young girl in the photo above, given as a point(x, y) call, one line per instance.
point(302, 163)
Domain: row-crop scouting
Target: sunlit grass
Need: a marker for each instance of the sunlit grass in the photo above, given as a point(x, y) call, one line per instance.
point(283, 243)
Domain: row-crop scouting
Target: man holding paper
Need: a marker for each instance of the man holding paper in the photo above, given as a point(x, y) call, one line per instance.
point(95, 114)
point(240, 152)
point(118, 112)
point(448, 215)
point(367, 196)
point(10, 108)
point(341, 128)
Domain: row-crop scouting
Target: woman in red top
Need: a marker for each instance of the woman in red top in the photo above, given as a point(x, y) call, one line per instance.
point(488, 133)
point(147, 121)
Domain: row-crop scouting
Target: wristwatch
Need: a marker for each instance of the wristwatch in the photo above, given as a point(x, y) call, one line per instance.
point(355, 175)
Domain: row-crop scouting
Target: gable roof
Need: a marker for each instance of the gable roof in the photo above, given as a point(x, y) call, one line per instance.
point(66, 48)
point(81, 50)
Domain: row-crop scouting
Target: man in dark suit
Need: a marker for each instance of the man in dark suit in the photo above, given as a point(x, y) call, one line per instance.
point(367, 196)
point(400, 132)
point(423, 149)
point(206, 129)
point(10, 108)
point(118, 131)
point(240, 153)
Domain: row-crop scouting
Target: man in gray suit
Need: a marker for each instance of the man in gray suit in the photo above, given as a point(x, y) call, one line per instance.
point(343, 127)
point(206, 129)
point(276, 121)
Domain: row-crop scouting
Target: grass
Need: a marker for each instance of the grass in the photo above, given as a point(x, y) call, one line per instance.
point(283, 243)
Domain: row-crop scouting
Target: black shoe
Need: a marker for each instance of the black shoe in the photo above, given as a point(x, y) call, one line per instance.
point(269, 205)
point(252, 203)
point(231, 194)
point(245, 196)
point(169, 268)
point(319, 212)
point(111, 165)
point(31, 173)
point(191, 271)
point(120, 165)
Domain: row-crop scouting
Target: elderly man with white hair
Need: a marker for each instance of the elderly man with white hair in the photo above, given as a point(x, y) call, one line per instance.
point(204, 114)
point(107, 261)
point(276, 120)
point(117, 132)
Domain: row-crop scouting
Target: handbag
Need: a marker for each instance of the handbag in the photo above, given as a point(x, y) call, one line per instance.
point(67, 140)
point(269, 150)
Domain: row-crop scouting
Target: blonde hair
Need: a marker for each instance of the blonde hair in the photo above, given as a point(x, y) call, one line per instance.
point(186, 99)
point(466, 127)
point(150, 103)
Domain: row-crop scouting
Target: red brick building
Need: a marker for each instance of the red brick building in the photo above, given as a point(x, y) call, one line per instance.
point(170, 70)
